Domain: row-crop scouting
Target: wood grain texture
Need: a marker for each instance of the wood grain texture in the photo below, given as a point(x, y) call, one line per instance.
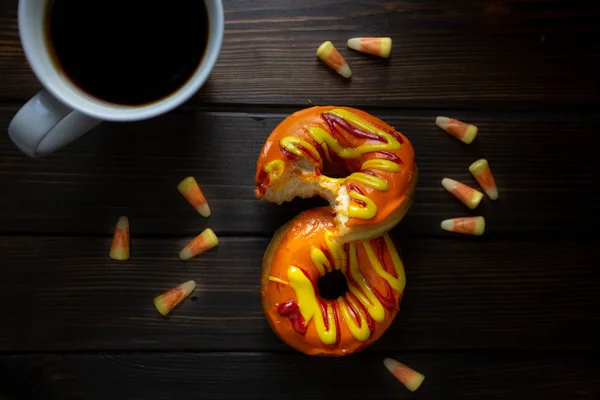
point(157, 376)
point(541, 163)
point(66, 294)
point(501, 54)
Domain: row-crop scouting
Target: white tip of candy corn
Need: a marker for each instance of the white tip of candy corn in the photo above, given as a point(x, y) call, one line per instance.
point(354, 43)
point(345, 71)
point(460, 130)
point(123, 223)
point(492, 193)
point(410, 378)
point(120, 248)
point(442, 122)
point(171, 298)
point(377, 46)
point(466, 225)
point(204, 210)
point(201, 243)
point(466, 194)
point(334, 60)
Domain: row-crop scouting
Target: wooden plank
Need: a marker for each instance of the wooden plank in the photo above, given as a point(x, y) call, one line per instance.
point(501, 54)
point(154, 376)
point(66, 294)
point(541, 163)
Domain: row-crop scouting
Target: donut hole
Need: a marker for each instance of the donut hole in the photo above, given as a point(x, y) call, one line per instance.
point(332, 285)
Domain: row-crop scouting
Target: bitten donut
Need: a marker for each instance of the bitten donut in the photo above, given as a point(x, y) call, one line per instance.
point(378, 164)
point(300, 255)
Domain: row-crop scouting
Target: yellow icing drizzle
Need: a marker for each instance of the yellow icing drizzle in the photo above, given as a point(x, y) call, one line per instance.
point(358, 286)
point(366, 212)
point(290, 143)
point(378, 163)
point(361, 332)
point(275, 169)
point(396, 283)
point(375, 182)
point(321, 136)
point(364, 293)
point(320, 260)
point(391, 142)
point(309, 306)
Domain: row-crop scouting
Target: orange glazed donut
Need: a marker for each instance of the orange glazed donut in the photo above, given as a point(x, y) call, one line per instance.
point(378, 161)
point(300, 255)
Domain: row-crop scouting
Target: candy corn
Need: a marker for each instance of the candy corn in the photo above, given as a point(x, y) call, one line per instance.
point(191, 191)
point(120, 244)
point(201, 243)
point(377, 46)
point(169, 299)
point(482, 172)
point(330, 56)
point(467, 225)
point(461, 130)
point(466, 194)
point(406, 375)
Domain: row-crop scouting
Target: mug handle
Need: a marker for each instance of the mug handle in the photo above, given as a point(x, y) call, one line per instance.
point(44, 125)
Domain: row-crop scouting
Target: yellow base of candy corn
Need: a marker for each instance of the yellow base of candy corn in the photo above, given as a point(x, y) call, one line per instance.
point(119, 254)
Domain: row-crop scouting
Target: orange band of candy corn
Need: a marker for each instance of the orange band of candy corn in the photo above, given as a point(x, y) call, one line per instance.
point(461, 130)
point(377, 46)
point(466, 194)
point(334, 60)
point(201, 243)
point(483, 174)
point(120, 247)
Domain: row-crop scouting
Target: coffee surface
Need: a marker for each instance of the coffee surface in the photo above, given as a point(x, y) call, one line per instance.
point(127, 52)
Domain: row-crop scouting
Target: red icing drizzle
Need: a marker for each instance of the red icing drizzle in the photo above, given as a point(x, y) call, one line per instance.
point(354, 313)
point(333, 121)
point(388, 301)
point(323, 307)
point(352, 186)
point(291, 310)
point(262, 181)
point(389, 156)
point(370, 320)
point(369, 172)
point(288, 154)
point(338, 331)
point(379, 249)
point(308, 153)
point(329, 258)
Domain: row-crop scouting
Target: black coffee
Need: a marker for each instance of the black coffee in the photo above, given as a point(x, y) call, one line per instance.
point(128, 51)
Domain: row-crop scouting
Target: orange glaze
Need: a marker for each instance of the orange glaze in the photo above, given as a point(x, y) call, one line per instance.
point(386, 199)
point(293, 249)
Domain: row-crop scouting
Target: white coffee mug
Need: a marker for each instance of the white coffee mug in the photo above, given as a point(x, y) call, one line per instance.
point(62, 112)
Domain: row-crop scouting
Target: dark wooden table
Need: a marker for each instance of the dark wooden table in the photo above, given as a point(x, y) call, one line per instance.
point(513, 314)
